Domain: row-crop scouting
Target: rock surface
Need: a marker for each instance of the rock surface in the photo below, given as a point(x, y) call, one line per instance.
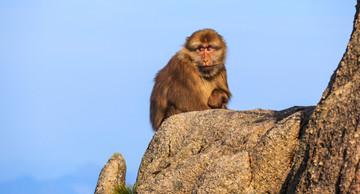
point(112, 175)
point(222, 151)
point(330, 158)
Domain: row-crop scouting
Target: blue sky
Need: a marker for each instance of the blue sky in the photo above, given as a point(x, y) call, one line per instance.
point(76, 76)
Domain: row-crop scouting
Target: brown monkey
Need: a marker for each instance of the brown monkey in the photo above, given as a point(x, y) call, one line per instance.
point(193, 80)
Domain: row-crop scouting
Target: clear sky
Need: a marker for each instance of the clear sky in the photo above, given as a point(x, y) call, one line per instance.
point(76, 75)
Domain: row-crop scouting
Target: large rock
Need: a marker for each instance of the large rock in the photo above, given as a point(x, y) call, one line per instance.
point(112, 175)
point(222, 151)
point(329, 161)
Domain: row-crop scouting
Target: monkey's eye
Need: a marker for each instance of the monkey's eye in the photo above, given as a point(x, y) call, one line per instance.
point(201, 49)
point(209, 48)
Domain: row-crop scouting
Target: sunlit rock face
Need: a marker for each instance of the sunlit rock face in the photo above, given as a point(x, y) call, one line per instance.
point(112, 175)
point(330, 161)
point(223, 151)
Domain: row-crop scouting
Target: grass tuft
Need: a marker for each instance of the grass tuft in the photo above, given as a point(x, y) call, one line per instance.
point(122, 189)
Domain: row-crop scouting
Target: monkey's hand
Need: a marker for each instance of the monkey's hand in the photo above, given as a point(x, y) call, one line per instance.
point(218, 99)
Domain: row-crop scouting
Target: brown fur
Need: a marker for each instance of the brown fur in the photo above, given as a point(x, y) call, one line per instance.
point(186, 84)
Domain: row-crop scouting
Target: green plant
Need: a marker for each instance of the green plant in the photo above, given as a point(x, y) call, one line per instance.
point(122, 189)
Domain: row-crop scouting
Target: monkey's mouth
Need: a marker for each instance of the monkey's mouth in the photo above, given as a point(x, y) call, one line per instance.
point(206, 67)
point(206, 70)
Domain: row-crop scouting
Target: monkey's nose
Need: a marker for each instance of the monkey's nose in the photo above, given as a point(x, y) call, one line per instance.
point(205, 62)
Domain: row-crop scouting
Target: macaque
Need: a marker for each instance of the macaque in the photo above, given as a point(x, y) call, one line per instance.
point(194, 79)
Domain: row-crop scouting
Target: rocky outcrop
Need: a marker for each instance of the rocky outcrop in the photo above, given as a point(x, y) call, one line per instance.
point(330, 158)
point(222, 151)
point(297, 150)
point(112, 175)
point(263, 151)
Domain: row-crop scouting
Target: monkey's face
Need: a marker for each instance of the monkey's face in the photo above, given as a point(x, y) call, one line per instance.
point(207, 50)
point(205, 53)
point(206, 58)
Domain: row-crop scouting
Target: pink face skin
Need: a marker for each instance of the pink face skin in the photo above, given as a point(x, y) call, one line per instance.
point(205, 51)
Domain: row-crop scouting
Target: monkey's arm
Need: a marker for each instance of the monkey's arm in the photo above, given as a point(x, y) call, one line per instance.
point(185, 98)
point(218, 99)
